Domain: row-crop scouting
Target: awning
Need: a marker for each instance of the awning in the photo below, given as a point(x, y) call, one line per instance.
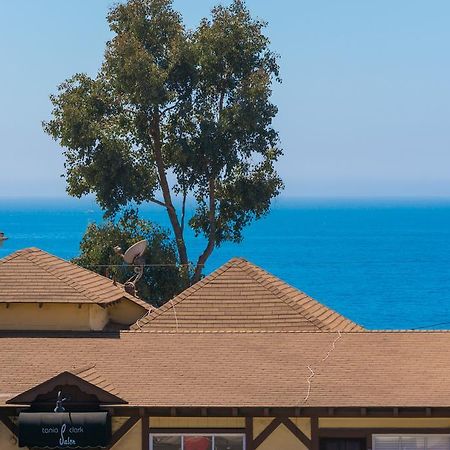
point(64, 430)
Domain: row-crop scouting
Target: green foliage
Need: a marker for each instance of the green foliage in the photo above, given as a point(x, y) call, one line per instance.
point(227, 135)
point(162, 278)
point(193, 104)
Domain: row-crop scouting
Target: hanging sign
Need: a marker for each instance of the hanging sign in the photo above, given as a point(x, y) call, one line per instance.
point(64, 430)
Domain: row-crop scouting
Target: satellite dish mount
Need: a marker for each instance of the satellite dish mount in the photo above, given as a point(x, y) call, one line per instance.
point(134, 256)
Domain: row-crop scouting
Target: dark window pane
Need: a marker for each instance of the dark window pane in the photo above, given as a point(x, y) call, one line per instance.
point(229, 443)
point(342, 444)
point(166, 442)
point(197, 443)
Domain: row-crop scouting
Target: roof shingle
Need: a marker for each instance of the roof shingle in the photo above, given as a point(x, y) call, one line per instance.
point(34, 276)
point(242, 296)
point(244, 369)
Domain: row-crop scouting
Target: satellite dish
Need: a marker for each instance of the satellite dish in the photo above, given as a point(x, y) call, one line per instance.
point(134, 252)
point(134, 256)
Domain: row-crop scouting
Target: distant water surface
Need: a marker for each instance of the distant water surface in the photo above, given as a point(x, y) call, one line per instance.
point(382, 264)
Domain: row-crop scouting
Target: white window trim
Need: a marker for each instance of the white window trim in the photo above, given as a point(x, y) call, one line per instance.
point(406, 435)
point(212, 435)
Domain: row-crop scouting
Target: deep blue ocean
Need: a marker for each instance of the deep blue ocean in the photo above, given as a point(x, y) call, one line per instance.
point(384, 264)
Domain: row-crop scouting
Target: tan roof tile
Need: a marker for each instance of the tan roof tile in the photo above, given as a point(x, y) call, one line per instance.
point(240, 295)
point(34, 276)
point(239, 369)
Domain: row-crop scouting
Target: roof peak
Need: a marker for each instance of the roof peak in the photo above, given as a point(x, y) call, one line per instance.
point(242, 295)
point(58, 280)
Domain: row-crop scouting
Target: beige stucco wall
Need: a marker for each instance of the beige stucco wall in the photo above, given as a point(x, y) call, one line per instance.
point(197, 422)
point(7, 440)
point(281, 438)
point(98, 317)
point(132, 439)
point(125, 312)
point(59, 316)
point(395, 422)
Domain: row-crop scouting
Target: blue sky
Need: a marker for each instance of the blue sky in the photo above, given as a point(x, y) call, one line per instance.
point(364, 103)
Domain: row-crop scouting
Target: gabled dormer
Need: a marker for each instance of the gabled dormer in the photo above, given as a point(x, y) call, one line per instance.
point(39, 291)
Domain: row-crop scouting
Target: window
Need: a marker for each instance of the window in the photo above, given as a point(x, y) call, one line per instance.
point(342, 444)
point(411, 442)
point(198, 442)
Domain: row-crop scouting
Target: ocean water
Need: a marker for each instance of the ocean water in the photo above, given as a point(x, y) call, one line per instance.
point(384, 264)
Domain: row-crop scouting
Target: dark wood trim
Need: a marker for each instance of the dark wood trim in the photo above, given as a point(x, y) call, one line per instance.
point(314, 433)
point(249, 433)
point(424, 412)
point(369, 442)
point(120, 433)
point(343, 432)
point(382, 413)
point(145, 432)
point(266, 432)
point(10, 425)
point(297, 432)
point(196, 430)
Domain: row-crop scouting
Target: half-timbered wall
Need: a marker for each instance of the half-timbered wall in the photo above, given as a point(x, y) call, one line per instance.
point(132, 432)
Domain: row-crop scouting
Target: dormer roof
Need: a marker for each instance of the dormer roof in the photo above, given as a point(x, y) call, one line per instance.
point(242, 296)
point(32, 275)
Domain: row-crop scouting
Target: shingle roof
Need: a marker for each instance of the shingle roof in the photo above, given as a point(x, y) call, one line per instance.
point(239, 369)
point(90, 374)
point(240, 295)
point(34, 276)
point(85, 377)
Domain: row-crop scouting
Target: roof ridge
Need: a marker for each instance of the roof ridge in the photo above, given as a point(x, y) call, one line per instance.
point(90, 374)
point(298, 303)
point(157, 312)
point(56, 275)
point(267, 331)
point(80, 369)
point(252, 268)
point(16, 254)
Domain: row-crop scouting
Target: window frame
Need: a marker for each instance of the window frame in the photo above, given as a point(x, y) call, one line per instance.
point(206, 434)
point(400, 435)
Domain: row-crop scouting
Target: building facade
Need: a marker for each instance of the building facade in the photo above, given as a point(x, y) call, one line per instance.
point(238, 361)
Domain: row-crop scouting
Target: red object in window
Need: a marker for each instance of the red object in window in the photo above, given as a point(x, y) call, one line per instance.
point(197, 443)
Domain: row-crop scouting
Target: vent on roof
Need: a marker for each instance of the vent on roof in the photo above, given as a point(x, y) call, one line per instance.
point(134, 256)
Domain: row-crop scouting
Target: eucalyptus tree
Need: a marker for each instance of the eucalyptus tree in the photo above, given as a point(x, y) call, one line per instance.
point(176, 114)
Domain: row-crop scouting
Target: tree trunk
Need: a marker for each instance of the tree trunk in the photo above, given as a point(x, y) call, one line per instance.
point(181, 245)
point(212, 234)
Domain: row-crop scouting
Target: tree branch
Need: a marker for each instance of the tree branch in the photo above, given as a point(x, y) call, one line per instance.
point(171, 212)
point(212, 212)
point(212, 232)
point(169, 108)
point(183, 208)
point(158, 202)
